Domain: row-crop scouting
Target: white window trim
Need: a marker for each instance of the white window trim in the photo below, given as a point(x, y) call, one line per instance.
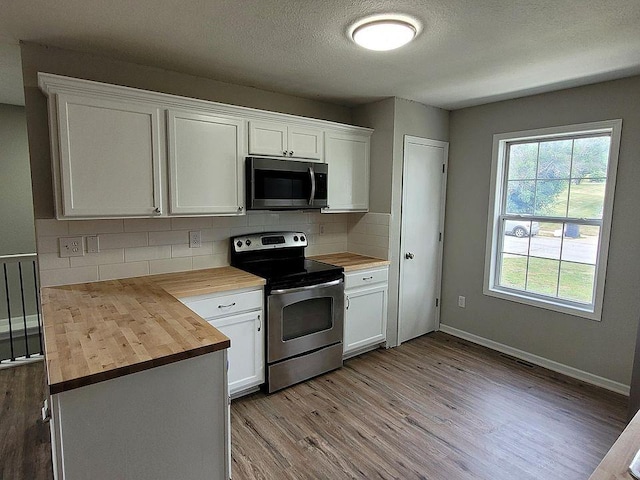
point(614, 127)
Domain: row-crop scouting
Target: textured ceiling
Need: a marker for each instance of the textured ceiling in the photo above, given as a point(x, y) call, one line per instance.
point(468, 52)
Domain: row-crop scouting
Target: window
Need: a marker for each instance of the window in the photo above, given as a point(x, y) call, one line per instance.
point(550, 216)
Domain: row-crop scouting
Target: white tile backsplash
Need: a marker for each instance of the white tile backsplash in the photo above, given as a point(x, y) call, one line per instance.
point(170, 265)
point(123, 240)
point(91, 227)
point(123, 270)
point(103, 257)
point(369, 234)
point(134, 247)
point(136, 254)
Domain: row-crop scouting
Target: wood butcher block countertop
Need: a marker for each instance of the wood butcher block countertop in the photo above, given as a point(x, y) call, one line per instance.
point(351, 261)
point(615, 464)
point(103, 330)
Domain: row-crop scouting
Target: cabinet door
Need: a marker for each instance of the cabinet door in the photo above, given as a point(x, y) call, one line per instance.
point(268, 138)
point(246, 354)
point(348, 160)
point(205, 164)
point(110, 157)
point(365, 322)
point(305, 142)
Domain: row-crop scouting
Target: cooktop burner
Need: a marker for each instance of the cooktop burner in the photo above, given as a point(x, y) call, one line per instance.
point(278, 257)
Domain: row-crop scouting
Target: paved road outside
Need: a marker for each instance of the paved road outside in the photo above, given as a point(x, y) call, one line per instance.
point(583, 250)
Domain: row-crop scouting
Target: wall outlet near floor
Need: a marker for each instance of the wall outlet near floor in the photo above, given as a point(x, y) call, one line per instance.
point(462, 301)
point(71, 247)
point(93, 244)
point(195, 239)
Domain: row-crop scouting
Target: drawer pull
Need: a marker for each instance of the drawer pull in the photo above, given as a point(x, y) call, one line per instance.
point(227, 306)
point(366, 279)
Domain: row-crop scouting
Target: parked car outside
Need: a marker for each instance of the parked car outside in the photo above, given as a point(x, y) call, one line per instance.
point(519, 228)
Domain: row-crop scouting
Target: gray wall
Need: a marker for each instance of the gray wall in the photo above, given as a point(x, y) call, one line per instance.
point(38, 58)
point(392, 119)
point(416, 119)
point(602, 348)
point(16, 207)
point(380, 116)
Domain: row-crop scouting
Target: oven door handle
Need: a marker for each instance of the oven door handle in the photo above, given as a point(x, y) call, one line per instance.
point(308, 287)
point(312, 175)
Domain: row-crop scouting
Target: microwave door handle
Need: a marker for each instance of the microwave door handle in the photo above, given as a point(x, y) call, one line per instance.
point(312, 174)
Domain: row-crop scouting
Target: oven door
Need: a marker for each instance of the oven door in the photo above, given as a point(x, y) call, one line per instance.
point(304, 319)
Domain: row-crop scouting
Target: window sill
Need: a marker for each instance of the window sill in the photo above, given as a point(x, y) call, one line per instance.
point(586, 312)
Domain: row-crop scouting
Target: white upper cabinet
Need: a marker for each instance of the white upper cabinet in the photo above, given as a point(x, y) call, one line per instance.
point(348, 158)
point(206, 155)
point(102, 177)
point(121, 152)
point(279, 139)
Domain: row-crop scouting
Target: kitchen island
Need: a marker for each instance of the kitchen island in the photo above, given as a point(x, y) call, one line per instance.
point(137, 380)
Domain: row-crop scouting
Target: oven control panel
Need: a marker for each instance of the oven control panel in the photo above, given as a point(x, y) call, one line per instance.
point(268, 240)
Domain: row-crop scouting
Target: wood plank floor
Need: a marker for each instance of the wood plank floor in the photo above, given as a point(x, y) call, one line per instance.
point(25, 445)
point(435, 408)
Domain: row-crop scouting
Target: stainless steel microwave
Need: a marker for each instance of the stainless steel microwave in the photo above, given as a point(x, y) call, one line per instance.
point(278, 184)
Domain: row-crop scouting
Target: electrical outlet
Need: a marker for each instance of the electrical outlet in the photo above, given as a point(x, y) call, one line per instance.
point(71, 247)
point(195, 239)
point(93, 244)
point(462, 301)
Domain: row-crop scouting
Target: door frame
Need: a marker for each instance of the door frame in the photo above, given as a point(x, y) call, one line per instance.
point(443, 195)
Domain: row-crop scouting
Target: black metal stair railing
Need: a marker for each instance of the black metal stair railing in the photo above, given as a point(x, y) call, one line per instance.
point(20, 320)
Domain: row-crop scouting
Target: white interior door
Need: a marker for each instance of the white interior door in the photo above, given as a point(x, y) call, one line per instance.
point(423, 194)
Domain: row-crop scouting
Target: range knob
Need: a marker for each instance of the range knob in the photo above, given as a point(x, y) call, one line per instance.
point(302, 238)
point(295, 238)
point(248, 242)
point(239, 243)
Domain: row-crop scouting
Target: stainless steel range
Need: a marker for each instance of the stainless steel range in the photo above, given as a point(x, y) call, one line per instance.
point(304, 306)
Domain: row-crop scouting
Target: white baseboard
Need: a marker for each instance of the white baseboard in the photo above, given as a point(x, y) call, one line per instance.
point(540, 361)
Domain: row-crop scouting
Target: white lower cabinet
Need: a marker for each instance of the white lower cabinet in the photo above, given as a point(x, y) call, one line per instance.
point(239, 315)
point(365, 321)
point(170, 421)
point(246, 354)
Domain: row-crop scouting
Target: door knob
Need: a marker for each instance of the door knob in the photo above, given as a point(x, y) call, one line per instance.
point(408, 255)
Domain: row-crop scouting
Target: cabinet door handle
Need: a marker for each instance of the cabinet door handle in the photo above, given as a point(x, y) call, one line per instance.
point(366, 279)
point(285, 153)
point(227, 306)
point(291, 153)
point(259, 323)
point(156, 210)
point(348, 302)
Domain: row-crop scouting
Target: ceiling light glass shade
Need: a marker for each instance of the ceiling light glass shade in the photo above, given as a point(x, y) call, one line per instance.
point(384, 35)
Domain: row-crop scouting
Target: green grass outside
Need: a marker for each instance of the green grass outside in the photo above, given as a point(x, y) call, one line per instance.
point(575, 283)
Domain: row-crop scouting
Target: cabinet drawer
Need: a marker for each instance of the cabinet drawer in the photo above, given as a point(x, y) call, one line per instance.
point(222, 305)
point(363, 278)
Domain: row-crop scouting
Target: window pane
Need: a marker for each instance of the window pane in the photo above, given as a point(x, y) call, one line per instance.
point(516, 236)
point(551, 197)
point(576, 282)
point(542, 276)
point(590, 157)
point(554, 160)
point(586, 199)
point(548, 241)
point(520, 197)
point(523, 160)
point(513, 271)
point(580, 243)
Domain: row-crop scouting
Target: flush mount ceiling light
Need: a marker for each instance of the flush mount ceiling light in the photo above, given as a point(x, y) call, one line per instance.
point(383, 34)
